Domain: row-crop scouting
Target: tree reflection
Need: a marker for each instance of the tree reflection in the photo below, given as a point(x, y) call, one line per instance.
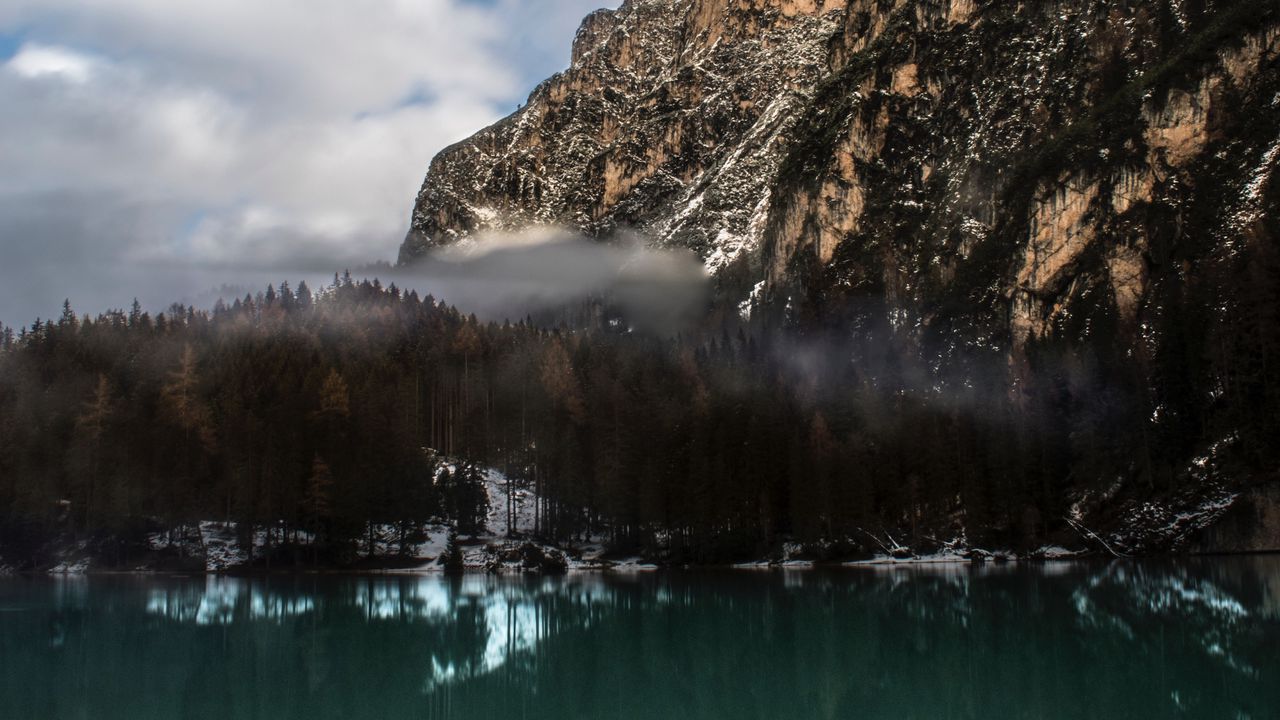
point(1124, 639)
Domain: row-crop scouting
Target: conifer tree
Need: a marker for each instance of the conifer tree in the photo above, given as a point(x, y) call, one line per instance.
point(452, 560)
point(91, 426)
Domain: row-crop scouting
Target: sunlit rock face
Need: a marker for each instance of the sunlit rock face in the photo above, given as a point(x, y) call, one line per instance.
point(1020, 156)
point(672, 118)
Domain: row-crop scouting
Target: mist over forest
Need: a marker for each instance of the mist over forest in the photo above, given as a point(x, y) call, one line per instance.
point(326, 412)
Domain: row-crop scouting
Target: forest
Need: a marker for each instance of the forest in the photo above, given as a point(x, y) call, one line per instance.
point(327, 412)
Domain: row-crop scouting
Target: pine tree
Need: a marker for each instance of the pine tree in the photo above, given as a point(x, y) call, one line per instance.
point(186, 409)
point(185, 405)
point(91, 426)
point(335, 396)
point(452, 560)
point(304, 296)
point(68, 319)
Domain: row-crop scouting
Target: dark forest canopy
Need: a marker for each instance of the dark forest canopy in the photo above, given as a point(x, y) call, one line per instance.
point(328, 411)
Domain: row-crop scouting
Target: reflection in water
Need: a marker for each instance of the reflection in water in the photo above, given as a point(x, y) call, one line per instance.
point(507, 615)
point(1190, 639)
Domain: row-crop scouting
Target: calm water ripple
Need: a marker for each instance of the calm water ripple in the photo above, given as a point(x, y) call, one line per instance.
point(1197, 638)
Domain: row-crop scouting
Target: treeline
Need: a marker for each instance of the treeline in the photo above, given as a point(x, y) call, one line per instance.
point(329, 412)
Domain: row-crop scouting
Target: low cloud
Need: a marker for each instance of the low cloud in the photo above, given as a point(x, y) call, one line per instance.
point(542, 270)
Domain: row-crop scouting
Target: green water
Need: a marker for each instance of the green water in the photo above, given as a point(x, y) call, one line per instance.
point(1196, 638)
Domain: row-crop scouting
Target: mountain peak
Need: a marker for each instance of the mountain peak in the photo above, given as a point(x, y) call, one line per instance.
point(669, 121)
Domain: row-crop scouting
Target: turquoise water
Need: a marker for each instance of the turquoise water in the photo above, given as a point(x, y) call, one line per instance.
point(1197, 638)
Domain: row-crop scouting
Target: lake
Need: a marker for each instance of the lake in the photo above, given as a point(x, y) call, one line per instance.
point(1192, 638)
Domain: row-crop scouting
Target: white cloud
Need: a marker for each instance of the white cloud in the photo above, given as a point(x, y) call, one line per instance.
point(38, 61)
point(292, 55)
point(283, 134)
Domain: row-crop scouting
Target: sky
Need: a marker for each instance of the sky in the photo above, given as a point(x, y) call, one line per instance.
point(159, 148)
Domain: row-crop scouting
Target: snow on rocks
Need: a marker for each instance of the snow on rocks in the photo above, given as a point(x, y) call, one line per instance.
point(75, 560)
point(499, 489)
point(627, 565)
point(74, 567)
point(1251, 206)
point(1174, 522)
point(1056, 552)
point(221, 548)
point(930, 559)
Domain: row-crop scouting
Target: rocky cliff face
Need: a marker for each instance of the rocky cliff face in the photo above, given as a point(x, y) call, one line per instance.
point(1068, 203)
point(1030, 160)
point(672, 119)
point(1028, 156)
point(1022, 155)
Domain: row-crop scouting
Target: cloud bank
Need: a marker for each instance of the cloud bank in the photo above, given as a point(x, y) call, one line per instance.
point(151, 144)
point(544, 270)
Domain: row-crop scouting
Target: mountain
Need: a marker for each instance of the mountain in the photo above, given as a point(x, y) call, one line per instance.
point(1026, 155)
point(1010, 197)
point(673, 118)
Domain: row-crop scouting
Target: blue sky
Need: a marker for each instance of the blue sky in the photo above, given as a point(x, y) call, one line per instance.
point(9, 43)
point(155, 145)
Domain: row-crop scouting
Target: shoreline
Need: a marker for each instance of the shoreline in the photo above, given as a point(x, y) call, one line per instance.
point(622, 569)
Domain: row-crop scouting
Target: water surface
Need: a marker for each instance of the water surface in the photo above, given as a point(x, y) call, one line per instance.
point(1197, 638)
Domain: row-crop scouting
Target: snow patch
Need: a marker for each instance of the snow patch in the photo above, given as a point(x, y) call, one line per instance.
point(1251, 201)
point(75, 567)
point(221, 547)
point(747, 306)
point(1055, 552)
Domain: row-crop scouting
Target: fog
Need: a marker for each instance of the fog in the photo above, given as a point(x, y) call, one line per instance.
point(496, 276)
point(503, 276)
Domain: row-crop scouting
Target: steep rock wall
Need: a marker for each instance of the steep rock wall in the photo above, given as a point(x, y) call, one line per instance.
point(1018, 155)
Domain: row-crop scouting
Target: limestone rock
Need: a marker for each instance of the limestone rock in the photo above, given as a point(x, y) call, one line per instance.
point(1021, 155)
